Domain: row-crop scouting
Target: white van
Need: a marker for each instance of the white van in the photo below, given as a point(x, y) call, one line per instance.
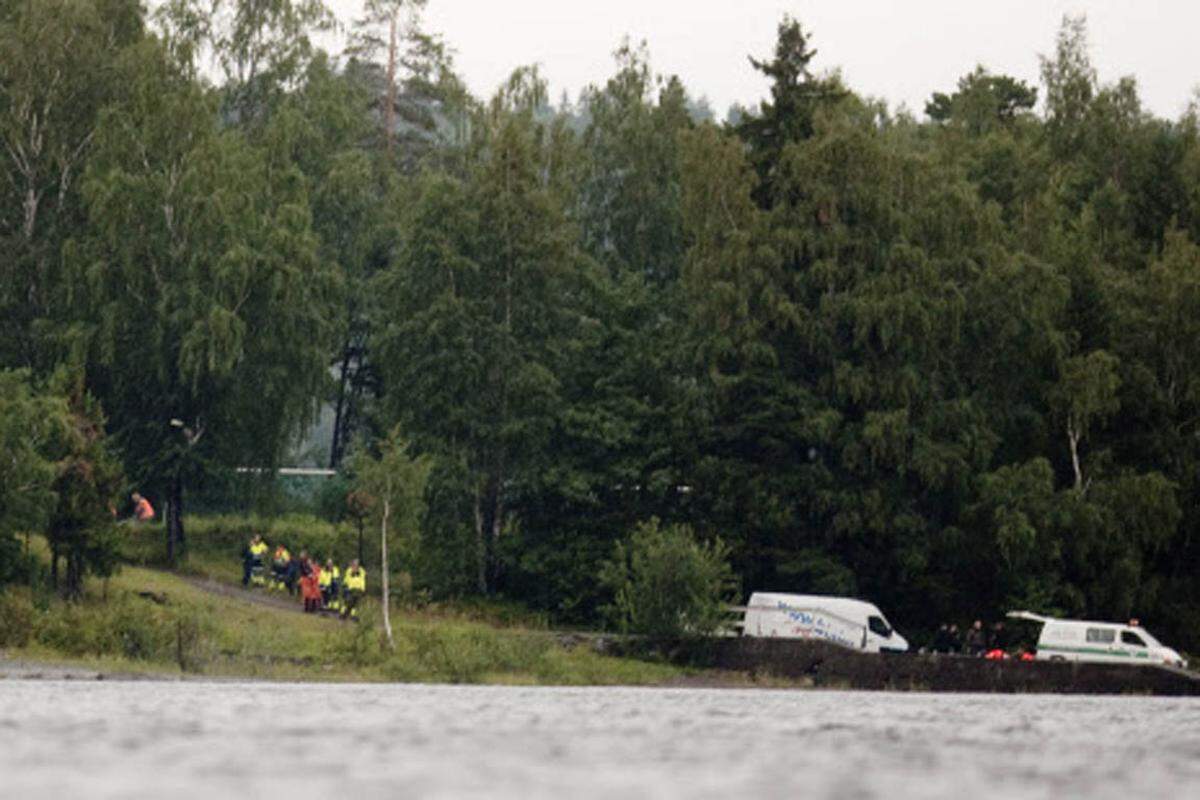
point(1104, 642)
point(851, 623)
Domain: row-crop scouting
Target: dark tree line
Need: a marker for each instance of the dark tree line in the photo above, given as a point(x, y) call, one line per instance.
point(944, 363)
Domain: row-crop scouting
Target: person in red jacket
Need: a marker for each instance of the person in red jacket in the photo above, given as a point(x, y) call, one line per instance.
point(310, 588)
point(142, 510)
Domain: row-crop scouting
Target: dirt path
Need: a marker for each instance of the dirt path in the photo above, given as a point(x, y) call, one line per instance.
point(262, 597)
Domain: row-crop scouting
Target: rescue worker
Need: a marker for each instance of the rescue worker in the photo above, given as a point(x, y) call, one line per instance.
point(297, 569)
point(258, 551)
point(355, 582)
point(955, 639)
point(310, 587)
point(331, 584)
point(975, 642)
point(142, 510)
point(280, 564)
point(252, 561)
point(998, 638)
point(941, 640)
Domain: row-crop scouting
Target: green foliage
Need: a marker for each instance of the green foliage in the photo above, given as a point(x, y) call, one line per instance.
point(666, 584)
point(946, 364)
point(126, 627)
point(27, 427)
point(224, 536)
point(88, 483)
point(58, 475)
point(796, 97)
point(983, 102)
point(59, 70)
point(208, 304)
point(11, 566)
point(481, 311)
point(394, 487)
point(17, 617)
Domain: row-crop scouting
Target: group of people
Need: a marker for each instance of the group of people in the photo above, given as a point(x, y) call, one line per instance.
point(322, 587)
point(979, 641)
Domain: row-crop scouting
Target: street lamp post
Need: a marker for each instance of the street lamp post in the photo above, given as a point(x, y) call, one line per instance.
point(176, 543)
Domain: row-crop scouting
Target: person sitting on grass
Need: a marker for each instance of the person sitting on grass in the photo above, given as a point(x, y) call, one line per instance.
point(142, 510)
point(279, 567)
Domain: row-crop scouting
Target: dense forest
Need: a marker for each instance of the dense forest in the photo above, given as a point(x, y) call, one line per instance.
point(941, 361)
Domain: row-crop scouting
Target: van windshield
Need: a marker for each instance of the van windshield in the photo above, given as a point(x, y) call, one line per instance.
point(1150, 640)
point(878, 625)
point(1129, 637)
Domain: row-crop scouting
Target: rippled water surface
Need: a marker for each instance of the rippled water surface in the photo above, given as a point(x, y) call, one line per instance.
point(159, 740)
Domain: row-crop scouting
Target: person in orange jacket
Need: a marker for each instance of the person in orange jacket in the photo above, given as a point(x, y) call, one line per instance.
point(310, 588)
point(142, 510)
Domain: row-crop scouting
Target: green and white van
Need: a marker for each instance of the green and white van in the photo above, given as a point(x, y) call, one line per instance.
point(1103, 642)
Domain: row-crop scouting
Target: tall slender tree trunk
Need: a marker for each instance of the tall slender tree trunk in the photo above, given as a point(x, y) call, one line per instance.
point(176, 545)
point(497, 512)
point(360, 541)
point(389, 111)
point(73, 588)
point(383, 572)
point(480, 543)
point(1073, 438)
point(338, 445)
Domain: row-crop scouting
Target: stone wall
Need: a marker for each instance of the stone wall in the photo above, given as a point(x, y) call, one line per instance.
point(836, 667)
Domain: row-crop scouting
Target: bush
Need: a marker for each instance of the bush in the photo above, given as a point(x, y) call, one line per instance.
point(127, 627)
point(330, 499)
point(666, 584)
point(227, 534)
point(15, 565)
point(466, 654)
point(17, 614)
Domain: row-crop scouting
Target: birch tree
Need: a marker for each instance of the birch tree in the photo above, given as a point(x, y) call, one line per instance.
point(209, 310)
point(394, 480)
point(57, 69)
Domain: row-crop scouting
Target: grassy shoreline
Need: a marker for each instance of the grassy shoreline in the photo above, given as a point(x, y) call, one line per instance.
point(147, 622)
point(197, 623)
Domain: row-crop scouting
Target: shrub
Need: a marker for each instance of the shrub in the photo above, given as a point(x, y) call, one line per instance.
point(358, 643)
point(228, 534)
point(666, 584)
point(125, 627)
point(17, 614)
point(466, 654)
point(15, 565)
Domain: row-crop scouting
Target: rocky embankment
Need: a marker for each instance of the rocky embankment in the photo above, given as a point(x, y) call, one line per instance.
point(836, 667)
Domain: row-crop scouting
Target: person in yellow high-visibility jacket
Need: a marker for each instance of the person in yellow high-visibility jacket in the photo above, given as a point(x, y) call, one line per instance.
point(331, 585)
point(330, 581)
point(354, 582)
point(253, 559)
point(279, 567)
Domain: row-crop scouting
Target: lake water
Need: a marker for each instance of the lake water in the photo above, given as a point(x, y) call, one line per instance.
point(158, 740)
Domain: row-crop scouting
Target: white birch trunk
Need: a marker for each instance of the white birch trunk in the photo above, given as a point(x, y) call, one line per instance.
point(383, 573)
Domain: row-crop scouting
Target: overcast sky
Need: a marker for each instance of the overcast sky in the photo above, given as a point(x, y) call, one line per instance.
point(899, 50)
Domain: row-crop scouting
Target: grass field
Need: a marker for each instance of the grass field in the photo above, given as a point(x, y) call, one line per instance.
point(147, 620)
